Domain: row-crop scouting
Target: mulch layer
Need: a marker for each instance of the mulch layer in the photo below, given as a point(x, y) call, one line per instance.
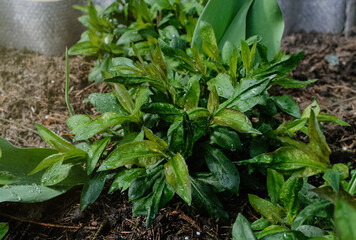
point(32, 91)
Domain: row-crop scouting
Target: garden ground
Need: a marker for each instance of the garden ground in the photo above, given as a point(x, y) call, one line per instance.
point(32, 90)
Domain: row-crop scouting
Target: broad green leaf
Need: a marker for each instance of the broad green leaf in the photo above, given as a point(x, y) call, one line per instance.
point(204, 198)
point(351, 189)
point(265, 19)
point(124, 97)
point(316, 209)
point(100, 124)
point(54, 140)
point(245, 90)
point(142, 97)
point(222, 168)
point(226, 138)
point(248, 55)
point(333, 178)
point(223, 85)
point(317, 139)
point(150, 136)
point(6, 177)
point(161, 109)
point(275, 181)
point(177, 175)
point(267, 209)
point(198, 113)
point(238, 22)
point(129, 80)
point(4, 228)
point(345, 220)
point(94, 153)
point(106, 102)
point(129, 36)
point(287, 235)
point(219, 16)
point(54, 158)
point(332, 119)
point(241, 229)
point(192, 95)
point(213, 100)
point(287, 105)
point(55, 173)
point(282, 68)
point(26, 188)
point(180, 136)
point(289, 160)
point(142, 185)
point(227, 52)
point(260, 224)
point(77, 121)
point(271, 230)
point(92, 189)
point(236, 120)
point(140, 153)
point(83, 48)
point(124, 178)
point(209, 44)
point(314, 106)
point(311, 231)
point(289, 197)
point(291, 83)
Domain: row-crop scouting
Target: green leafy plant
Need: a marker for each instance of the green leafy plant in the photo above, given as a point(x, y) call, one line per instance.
point(4, 227)
point(187, 119)
point(111, 31)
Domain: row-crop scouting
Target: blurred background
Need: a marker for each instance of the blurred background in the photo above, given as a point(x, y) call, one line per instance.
point(48, 26)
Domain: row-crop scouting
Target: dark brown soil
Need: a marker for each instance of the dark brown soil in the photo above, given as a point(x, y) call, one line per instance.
point(32, 90)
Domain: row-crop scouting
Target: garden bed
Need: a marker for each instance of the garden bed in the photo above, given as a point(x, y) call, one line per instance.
point(32, 90)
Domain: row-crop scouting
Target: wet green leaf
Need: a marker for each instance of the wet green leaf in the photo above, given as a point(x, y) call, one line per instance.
point(275, 181)
point(289, 160)
point(124, 179)
point(204, 198)
point(124, 98)
point(316, 209)
point(260, 224)
point(54, 158)
point(289, 197)
point(77, 121)
point(192, 95)
point(345, 220)
point(150, 136)
point(242, 230)
point(92, 189)
point(271, 230)
point(287, 105)
point(26, 188)
point(161, 108)
point(317, 139)
point(236, 120)
point(209, 44)
point(332, 119)
point(4, 228)
point(83, 48)
point(106, 102)
point(222, 168)
point(177, 175)
point(311, 231)
point(223, 85)
point(100, 124)
point(54, 140)
point(267, 209)
point(226, 138)
point(140, 153)
point(94, 153)
point(142, 185)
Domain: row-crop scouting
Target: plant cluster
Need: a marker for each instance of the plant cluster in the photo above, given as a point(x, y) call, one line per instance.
point(190, 114)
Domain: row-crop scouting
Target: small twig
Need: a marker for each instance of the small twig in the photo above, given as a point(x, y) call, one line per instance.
point(182, 216)
point(343, 101)
point(99, 230)
point(19, 125)
point(45, 224)
point(84, 89)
